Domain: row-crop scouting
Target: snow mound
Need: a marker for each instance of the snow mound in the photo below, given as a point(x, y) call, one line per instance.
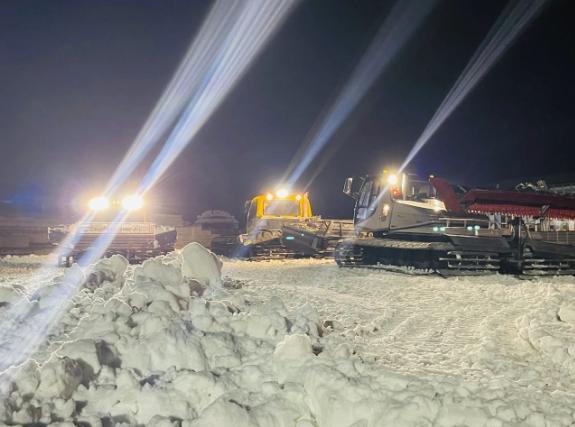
point(142, 346)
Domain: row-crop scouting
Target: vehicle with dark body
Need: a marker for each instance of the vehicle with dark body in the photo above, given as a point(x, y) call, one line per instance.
point(114, 228)
point(266, 215)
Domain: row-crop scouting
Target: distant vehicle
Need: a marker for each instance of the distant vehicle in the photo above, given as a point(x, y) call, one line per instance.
point(120, 226)
point(208, 226)
point(273, 220)
point(24, 235)
point(401, 220)
point(266, 216)
point(23, 232)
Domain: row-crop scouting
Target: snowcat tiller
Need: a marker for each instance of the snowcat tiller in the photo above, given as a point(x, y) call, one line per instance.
point(536, 251)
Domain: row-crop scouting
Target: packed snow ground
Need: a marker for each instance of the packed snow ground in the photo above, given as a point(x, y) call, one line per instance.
point(299, 343)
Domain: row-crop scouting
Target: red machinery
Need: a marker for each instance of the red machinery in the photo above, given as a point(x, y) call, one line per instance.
point(506, 202)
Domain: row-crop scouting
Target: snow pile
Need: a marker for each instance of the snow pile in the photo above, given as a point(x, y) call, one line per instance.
point(144, 346)
point(550, 329)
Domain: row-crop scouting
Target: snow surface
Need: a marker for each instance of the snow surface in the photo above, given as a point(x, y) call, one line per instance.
point(301, 343)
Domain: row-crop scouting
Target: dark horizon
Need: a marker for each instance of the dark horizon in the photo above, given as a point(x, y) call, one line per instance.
point(80, 78)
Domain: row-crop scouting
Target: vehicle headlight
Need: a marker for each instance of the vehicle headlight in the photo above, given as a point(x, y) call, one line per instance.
point(99, 203)
point(133, 202)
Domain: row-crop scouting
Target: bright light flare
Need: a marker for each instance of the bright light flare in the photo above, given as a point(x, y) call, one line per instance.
point(16, 349)
point(398, 27)
point(269, 196)
point(99, 203)
point(247, 32)
point(281, 193)
point(186, 81)
point(232, 35)
point(512, 21)
point(392, 179)
point(133, 202)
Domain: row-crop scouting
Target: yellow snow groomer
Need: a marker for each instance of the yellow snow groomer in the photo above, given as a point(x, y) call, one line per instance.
point(266, 215)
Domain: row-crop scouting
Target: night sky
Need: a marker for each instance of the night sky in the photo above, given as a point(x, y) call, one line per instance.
point(78, 79)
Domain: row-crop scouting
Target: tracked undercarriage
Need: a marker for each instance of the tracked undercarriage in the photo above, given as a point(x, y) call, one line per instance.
point(270, 249)
point(447, 258)
point(436, 256)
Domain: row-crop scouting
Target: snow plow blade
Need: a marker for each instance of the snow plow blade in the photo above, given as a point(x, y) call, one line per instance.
point(228, 246)
point(316, 238)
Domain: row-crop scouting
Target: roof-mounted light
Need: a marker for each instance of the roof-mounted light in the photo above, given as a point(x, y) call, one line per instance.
point(392, 179)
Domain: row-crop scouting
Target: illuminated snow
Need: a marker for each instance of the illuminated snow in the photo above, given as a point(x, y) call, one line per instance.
point(300, 343)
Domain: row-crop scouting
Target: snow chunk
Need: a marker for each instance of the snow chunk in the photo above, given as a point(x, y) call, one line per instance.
point(166, 347)
point(201, 265)
point(107, 270)
point(83, 350)
point(221, 413)
point(294, 348)
point(167, 275)
point(61, 377)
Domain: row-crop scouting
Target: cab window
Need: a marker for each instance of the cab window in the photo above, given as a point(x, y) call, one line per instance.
point(281, 207)
point(252, 210)
point(419, 190)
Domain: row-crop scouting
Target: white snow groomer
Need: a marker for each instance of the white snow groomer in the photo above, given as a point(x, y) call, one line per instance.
point(433, 225)
point(115, 227)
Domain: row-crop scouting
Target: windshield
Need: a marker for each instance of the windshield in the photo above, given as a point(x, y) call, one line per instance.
point(281, 207)
point(419, 190)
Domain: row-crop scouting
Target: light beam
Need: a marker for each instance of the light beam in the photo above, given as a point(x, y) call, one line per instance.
point(512, 21)
point(234, 32)
point(185, 82)
point(250, 31)
point(401, 23)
